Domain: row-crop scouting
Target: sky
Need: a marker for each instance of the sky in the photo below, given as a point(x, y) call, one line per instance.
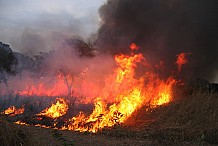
point(22, 20)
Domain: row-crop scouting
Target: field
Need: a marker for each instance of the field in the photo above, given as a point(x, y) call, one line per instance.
point(191, 119)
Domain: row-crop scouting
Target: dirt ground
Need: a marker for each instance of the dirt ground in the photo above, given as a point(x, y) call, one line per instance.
point(46, 137)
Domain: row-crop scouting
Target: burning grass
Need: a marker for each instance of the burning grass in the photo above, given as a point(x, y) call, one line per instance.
point(146, 103)
point(12, 111)
point(56, 110)
point(188, 120)
point(191, 118)
point(121, 93)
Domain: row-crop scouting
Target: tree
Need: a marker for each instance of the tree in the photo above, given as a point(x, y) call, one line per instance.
point(8, 62)
point(85, 49)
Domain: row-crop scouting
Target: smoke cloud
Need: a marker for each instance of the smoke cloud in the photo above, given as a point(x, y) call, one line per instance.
point(33, 26)
point(60, 69)
point(163, 29)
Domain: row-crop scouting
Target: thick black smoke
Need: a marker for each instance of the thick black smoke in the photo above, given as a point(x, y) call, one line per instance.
point(163, 29)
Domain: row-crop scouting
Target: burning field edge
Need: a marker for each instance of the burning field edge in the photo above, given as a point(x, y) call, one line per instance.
point(141, 109)
point(189, 120)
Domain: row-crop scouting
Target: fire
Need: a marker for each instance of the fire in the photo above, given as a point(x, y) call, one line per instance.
point(128, 94)
point(58, 88)
point(164, 94)
point(181, 60)
point(133, 47)
point(122, 94)
point(12, 111)
point(56, 110)
point(21, 123)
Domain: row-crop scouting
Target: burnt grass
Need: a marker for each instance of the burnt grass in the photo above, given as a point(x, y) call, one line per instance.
point(190, 119)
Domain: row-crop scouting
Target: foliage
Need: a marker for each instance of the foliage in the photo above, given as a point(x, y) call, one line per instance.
point(8, 62)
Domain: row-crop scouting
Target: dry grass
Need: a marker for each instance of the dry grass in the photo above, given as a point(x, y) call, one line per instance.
point(10, 135)
point(191, 119)
point(36, 136)
point(18, 135)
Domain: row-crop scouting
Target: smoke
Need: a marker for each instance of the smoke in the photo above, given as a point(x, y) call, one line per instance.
point(163, 29)
point(69, 57)
point(65, 68)
point(30, 27)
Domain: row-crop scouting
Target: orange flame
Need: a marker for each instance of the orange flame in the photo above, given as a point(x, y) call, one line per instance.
point(21, 123)
point(133, 47)
point(128, 94)
point(13, 111)
point(122, 94)
point(181, 60)
point(56, 110)
point(59, 88)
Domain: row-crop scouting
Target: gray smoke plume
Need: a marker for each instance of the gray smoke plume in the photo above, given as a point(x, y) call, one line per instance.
point(163, 29)
point(33, 26)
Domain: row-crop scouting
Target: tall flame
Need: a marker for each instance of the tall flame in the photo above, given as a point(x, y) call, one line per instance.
point(122, 94)
point(128, 94)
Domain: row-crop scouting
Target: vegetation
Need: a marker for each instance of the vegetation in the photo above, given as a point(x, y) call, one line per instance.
point(10, 135)
point(8, 62)
point(58, 135)
point(191, 119)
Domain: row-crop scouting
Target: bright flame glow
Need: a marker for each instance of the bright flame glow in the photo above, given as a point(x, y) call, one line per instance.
point(122, 94)
point(181, 60)
point(56, 110)
point(58, 88)
point(133, 47)
point(128, 93)
point(12, 111)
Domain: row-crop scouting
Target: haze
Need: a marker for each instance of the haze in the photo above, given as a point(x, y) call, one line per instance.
point(39, 21)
